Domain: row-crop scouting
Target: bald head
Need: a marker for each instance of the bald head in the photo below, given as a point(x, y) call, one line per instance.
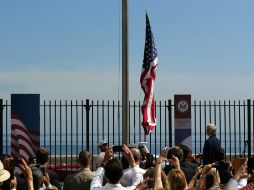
point(136, 155)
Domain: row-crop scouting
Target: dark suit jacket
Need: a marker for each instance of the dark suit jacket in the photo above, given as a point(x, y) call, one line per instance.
point(209, 151)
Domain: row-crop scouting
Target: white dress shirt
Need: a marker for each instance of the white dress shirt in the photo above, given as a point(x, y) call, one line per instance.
point(97, 181)
point(234, 184)
point(99, 159)
point(133, 176)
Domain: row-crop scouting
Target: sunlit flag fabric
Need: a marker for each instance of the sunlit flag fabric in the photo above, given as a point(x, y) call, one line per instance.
point(25, 125)
point(147, 78)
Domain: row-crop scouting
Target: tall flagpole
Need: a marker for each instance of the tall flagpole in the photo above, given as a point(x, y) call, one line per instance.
point(125, 74)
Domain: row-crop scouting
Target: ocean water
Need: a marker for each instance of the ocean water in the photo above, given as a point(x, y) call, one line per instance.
point(72, 145)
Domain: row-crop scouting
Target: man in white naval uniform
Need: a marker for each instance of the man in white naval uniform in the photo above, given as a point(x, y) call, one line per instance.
point(103, 145)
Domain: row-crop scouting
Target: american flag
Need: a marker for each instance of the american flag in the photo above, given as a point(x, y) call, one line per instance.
point(25, 129)
point(147, 78)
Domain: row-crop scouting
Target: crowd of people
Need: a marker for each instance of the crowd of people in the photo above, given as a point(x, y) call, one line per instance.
point(176, 168)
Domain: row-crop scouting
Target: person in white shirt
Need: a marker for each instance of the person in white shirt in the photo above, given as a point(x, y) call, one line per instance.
point(128, 174)
point(112, 169)
point(240, 177)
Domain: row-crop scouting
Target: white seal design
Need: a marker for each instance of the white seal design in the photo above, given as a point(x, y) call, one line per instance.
point(182, 106)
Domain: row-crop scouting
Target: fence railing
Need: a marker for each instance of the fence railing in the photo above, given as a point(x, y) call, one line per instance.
point(67, 127)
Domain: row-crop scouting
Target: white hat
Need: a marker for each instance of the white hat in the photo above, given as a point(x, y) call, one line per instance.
point(132, 146)
point(140, 144)
point(104, 141)
point(4, 174)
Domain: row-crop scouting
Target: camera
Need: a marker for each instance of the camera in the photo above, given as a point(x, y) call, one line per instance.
point(14, 163)
point(150, 183)
point(169, 155)
point(43, 169)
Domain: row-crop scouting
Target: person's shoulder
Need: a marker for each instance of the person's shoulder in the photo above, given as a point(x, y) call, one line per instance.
point(126, 170)
point(68, 177)
point(87, 173)
point(50, 172)
point(140, 170)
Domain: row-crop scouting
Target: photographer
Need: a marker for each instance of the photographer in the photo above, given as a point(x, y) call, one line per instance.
point(42, 159)
point(9, 181)
point(188, 169)
point(147, 159)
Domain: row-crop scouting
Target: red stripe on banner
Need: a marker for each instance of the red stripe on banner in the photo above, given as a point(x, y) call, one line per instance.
point(22, 147)
point(36, 133)
point(31, 143)
point(13, 146)
point(17, 127)
point(28, 146)
point(13, 136)
point(26, 140)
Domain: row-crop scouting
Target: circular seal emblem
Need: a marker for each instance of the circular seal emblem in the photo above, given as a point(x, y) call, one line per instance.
point(182, 106)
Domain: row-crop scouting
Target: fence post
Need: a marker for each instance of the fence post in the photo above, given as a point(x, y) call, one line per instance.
point(170, 123)
point(87, 124)
point(1, 126)
point(249, 126)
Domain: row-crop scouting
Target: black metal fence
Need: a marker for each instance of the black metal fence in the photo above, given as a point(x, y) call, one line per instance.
point(67, 127)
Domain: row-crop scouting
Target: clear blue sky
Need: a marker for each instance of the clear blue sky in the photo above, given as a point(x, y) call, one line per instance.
point(71, 49)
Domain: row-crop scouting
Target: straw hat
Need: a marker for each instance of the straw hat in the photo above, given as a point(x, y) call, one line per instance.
point(4, 174)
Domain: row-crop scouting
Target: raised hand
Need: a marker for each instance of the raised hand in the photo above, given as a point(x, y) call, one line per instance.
point(129, 156)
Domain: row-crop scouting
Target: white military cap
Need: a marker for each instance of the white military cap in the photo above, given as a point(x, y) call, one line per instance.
point(140, 144)
point(132, 146)
point(104, 141)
